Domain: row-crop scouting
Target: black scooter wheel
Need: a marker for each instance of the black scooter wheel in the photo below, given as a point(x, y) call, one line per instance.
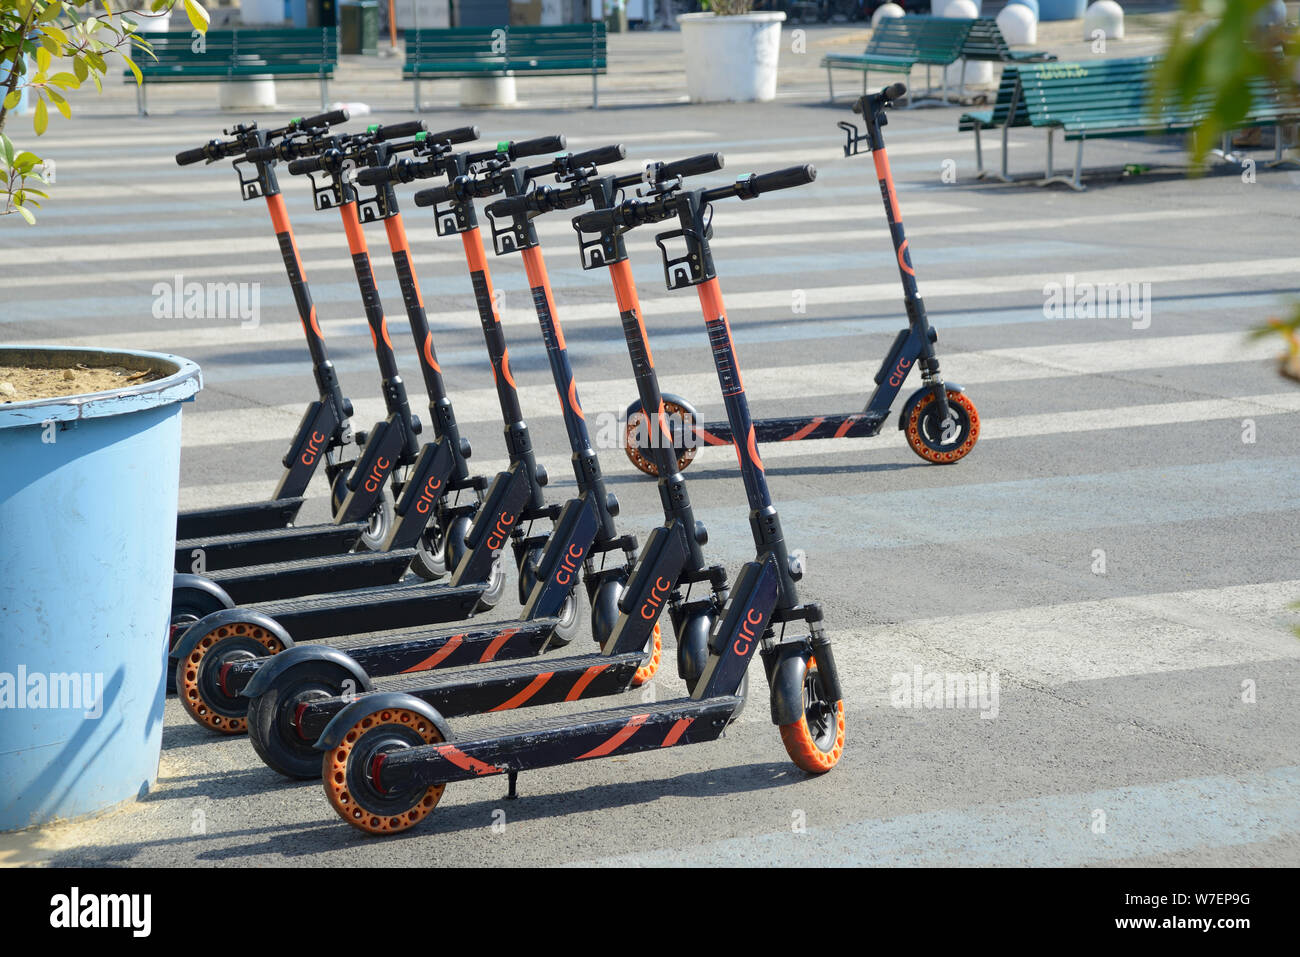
point(567, 629)
point(272, 716)
point(187, 608)
point(816, 741)
point(348, 772)
point(496, 588)
point(693, 648)
point(454, 538)
point(199, 675)
point(379, 524)
point(528, 574)
point(430, 561)
point(637, 437)
point(934, 439)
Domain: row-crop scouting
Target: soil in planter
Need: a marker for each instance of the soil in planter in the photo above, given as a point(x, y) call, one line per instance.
point(22, 384)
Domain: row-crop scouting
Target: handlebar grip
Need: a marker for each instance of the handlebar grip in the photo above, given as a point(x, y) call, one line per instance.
point(595, 221)
point(783, 179)
point(332, 118)
point(895, 92)
point(260, 154)
point(186, 157)
point(374, 175)
point(600, 156)
point(309, 164)
point(462, 134)
point(397, 131)
point(543, 144)
point(433, 195)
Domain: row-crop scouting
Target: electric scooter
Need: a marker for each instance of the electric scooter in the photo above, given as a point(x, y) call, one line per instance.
point(939, 420)
point(296, 694)
point(388, 757)
point(213, 658)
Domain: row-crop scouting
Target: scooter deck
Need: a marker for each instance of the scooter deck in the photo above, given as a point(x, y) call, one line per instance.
point(551, 741)
point(419, 650)
point(262, 547)
point(796, 428)
point(227, 519)
point(293, 579)
point(523, 684)
point(389, 606)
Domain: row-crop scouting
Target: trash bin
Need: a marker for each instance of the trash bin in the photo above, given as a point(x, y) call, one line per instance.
point(358, 26)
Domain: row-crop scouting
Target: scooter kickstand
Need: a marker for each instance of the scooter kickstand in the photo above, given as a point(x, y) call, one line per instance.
point(512, 794)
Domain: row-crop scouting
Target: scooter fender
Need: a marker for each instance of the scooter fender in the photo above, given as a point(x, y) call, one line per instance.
point(785, 677)
point(231, 616)
point(276, 665)
point(915, 397)
point(342, 722)
point(186, 582)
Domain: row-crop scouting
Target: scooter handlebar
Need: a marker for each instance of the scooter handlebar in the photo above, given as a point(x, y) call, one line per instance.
point(783, 179)
point(895, 91)
point(397, 131)
point(543, 144)
point(375, 176)
point(600, 156)
point(433, 196)
point(186, 157)
point(308, 164)
point(462, 134)
point(332, 118)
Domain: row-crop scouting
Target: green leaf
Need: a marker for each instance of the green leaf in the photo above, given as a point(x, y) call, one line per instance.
point(60, 103)
point(79, 67)
point(7, 148)
point(26, 214)
point(42, 60)
point(134, 69)
point(12, 99)
point(42, 117)
point(198, 16)
point(51, 30)
point(24, 161)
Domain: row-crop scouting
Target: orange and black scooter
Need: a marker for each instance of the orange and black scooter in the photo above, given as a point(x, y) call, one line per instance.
point(389, 757)
point(939, 420)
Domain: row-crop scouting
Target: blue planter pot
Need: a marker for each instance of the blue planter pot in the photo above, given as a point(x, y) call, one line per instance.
point(88, 496)
point(1061, 10)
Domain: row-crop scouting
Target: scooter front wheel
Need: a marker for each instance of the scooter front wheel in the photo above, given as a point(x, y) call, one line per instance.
point(199, 674)
point(639, 436)
point(816, 741)
point(188, 606)
point(938, 440)
point(349, 770)
point(272, 716)
point(430, 561)
point(496, 587)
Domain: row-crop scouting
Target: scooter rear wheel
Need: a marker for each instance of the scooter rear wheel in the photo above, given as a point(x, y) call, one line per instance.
point(816, 741)
point(272, 716)
point(347, 771)
point(198, 675)
point(188, 606)
point(934, 439)
point(638, 432)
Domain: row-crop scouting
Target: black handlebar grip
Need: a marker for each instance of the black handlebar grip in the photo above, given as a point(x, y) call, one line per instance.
point(260, 154)
point(433, 196)
point(309, 164)
point(595, 221)
point(332, 118)
point(784, 179)
point(600, 156)
point(462, 134)
point(895, 92)
point(543, 144)
point(396, 131)
point(693, 166)
point(186, 157)
point(374, 175)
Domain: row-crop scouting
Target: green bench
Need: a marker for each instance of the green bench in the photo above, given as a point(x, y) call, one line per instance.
point(234, 55)
point(1103, 99)
point(460, 52)
point(985, 42)
point(900, 43)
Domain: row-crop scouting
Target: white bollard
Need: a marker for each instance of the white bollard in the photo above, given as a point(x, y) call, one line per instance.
point(487, 91)
point(884, 11)
point(1106, 16)
point(978, 72)
point(1018, 24)
point(255, 93)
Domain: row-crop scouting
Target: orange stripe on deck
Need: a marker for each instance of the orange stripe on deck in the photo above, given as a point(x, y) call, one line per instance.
point(462, 760)
point(497, 642)
point(617, 740)
point(438, 656)
point(806, 430)
point(580, 685)
point(677, 731)
point(534, 686)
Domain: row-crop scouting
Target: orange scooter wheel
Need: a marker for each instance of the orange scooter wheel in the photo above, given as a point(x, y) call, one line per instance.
point(350, 770)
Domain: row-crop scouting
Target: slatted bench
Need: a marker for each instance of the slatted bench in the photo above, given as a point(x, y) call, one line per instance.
point(985, 42)
point(1103, 99)
point(461, 52)
point(900, 43)
point(233, 55)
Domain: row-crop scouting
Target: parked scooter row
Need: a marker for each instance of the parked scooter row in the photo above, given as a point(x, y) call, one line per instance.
point(353, 681)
